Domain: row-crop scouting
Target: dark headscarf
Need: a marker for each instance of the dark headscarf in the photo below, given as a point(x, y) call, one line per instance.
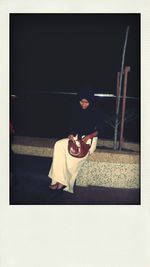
point(87, 94)
point(84, 121)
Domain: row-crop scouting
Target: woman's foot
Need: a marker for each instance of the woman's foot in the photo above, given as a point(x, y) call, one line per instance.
point(60, 186)
point(57, 186)
point(53, 187)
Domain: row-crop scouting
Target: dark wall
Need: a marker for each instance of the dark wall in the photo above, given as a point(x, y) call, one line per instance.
point(53, 52)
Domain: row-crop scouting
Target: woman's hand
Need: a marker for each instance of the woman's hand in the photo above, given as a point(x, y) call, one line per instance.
point(71, 137)
point(89, 136)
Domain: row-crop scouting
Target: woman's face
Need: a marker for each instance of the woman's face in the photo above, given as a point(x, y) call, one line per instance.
point(84, 103)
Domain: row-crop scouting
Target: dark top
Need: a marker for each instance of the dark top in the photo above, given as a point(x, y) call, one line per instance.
point(84, 121)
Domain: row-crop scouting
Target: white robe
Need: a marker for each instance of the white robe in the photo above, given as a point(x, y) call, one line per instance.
point(64, 168)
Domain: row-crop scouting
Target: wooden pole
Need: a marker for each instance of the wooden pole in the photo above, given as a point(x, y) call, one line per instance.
point(120, 85)
point(127, 69)
point(118, 78)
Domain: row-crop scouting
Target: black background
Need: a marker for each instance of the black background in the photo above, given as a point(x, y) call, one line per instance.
point(57, 52)
point(63, 53)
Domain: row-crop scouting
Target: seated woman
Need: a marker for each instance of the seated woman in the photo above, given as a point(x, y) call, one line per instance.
point(64, 168)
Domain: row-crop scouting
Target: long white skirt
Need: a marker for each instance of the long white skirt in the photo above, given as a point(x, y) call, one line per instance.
point(64, 168)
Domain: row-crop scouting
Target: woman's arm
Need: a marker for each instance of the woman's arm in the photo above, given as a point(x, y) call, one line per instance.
point(85, 139)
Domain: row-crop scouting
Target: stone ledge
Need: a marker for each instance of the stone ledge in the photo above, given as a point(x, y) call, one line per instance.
point(106, 168)
point(49, 142)
point(98, 155)
point(43, 147)
point(114, 156)
point(32, 150)
point(118, 175)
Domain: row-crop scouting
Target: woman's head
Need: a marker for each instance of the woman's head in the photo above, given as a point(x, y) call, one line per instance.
point(84, 103)
point(86, 98)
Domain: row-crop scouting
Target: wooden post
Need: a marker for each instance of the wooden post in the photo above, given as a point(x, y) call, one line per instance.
point(118, 80)
point(120, 86)
point(127, 69)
